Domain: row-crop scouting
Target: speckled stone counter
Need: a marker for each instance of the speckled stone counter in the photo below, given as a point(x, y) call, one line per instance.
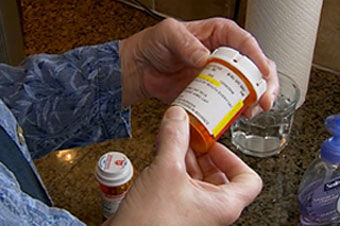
point(56, 26)
point(281, 174)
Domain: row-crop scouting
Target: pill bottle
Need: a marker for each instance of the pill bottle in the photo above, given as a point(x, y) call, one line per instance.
point(228, 84)
point(114, 174)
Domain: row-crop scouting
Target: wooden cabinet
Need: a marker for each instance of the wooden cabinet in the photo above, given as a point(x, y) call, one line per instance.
point(11, 42)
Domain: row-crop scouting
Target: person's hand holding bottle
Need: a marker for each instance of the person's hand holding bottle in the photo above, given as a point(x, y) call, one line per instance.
point(162, 60)
point(181, 187)
point(165, 193)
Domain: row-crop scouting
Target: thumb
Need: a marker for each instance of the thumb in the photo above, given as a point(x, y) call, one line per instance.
point(173, 137)
point(185, 45)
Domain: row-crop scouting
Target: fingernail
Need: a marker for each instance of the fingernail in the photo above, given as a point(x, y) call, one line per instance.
point(256, 110)
point(198, 57)
point(273, 99)
point(267, 68)
point(175, 113)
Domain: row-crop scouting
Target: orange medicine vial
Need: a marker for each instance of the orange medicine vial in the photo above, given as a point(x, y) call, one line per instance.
point(228, 84)
point(114, 174)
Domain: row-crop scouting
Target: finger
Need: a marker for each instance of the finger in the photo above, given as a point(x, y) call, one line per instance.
point(182, 43)
point(252, 111)
point(232, 165)
point(192, 166)
point(268, 98)
point(210, 172)
point(244, 182)
point(273, 88)
point(218, 32)
point(228, 162)
point(173, 138)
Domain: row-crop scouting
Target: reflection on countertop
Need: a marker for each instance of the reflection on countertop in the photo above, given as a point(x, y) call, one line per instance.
point(55, 26)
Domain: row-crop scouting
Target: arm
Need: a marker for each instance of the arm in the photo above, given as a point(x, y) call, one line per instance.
point(67, 100)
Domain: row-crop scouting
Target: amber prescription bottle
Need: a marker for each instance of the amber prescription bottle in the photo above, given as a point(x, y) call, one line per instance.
point(228, 84)
point(114, 173)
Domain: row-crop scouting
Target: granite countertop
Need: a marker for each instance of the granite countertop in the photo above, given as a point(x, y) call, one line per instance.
point(281, 174)
point(56, 26)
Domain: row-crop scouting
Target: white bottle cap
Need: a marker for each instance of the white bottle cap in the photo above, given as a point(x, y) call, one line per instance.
point(114, 169)
point(245, 66)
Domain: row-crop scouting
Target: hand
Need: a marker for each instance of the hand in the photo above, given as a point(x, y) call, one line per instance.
point(165, 194)
point(162, 60)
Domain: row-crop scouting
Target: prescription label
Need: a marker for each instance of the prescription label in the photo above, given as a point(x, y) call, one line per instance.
point(110, 204)
point(214, 97)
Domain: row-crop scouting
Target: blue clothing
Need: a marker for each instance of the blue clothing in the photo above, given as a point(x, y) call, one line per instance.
point(13, 159)
point(59, 101)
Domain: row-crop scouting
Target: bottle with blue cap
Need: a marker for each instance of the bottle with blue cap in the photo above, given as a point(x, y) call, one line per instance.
point(319, 191)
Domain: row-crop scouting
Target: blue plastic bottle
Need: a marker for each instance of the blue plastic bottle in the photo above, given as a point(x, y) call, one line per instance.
point(319, 191)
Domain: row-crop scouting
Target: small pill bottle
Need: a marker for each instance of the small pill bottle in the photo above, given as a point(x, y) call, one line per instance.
point(228, 84)
point(114, 174)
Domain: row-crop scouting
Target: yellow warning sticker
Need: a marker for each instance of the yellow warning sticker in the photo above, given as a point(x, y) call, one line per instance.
point(226, 119)
point(209, 79)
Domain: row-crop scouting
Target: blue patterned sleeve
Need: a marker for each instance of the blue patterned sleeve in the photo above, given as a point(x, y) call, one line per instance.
point(67, 100)
point(18, 208)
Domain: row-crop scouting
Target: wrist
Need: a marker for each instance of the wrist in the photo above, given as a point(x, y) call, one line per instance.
point(130, 73)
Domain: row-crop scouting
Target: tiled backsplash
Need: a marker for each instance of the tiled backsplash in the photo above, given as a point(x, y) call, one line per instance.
point(327, 51)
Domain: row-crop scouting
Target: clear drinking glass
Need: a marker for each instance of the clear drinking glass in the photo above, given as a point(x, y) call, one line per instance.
point(268, 133)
